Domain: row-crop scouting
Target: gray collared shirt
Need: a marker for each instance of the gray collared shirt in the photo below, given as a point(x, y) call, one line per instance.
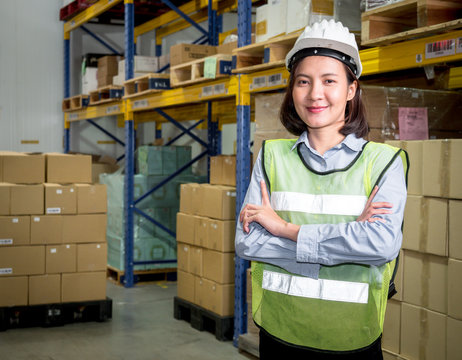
point(329, 244)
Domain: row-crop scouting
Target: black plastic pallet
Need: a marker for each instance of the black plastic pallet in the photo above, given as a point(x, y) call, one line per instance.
point(55, 314)
point(202, 319)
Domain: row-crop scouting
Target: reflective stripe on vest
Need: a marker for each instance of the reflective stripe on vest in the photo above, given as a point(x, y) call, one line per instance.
point(324, 289)
point(318, 204)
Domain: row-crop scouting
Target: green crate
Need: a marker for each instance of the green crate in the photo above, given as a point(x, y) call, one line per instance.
point(158, 248)
point(163, 160)
point(116, 252)
point(149, 160)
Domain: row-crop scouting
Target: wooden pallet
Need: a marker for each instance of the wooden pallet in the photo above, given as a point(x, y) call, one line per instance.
point(195, 71)
point(153, 275)
point(263, 55)
point(106, 94)
point(409, 19)
point(77, 102)
point(146, 84)
point(202, 319)
point(54, 314)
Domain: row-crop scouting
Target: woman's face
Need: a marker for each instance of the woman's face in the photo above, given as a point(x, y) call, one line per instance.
point(321, 92)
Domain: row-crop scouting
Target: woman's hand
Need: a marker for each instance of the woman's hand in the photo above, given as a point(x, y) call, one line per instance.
point(267, 217)
point(374, 208)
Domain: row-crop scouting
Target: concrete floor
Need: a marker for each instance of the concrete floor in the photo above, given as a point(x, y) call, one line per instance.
point(142, 327)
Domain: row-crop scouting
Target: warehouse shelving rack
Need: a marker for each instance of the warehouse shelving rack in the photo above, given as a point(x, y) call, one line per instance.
point(236, 91)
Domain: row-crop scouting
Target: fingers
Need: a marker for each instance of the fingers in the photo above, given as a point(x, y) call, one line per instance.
point(374, 191)
point(264, 194)
point(382, 205)
point(371, 220)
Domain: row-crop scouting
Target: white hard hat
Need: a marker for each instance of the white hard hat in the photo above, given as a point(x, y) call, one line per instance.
point(327, 38)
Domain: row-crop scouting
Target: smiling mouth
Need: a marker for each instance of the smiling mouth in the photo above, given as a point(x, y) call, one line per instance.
point(316, 109)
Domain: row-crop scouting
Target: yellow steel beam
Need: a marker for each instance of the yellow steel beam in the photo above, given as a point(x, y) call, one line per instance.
point(455, 78)
point(93, 11)
point(411, 54)
point(92, 112)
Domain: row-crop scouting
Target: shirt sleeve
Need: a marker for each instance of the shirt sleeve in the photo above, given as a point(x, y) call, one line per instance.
point(261, 245)
point(360, 242)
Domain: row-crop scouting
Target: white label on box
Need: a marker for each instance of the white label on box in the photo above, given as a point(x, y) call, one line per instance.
point(72, 190)
point(53, 251)
point(112, 109)
point(15, 220)
point(36, 219)
point(6, 241)
point(207, 91)
point(53, 210)
point(6, 271)
point(275, 79)
point(231, 193)
point(73, 117)
point(215, 226)
point(140, 104)
point(68, 246)
point(59, 191)
point(98, 246)
point(258, 82)
point(440, 48)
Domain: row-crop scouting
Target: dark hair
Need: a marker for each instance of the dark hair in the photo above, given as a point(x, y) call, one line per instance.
point(355, 118)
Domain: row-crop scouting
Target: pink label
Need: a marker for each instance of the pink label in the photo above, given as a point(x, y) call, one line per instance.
point(413, 123)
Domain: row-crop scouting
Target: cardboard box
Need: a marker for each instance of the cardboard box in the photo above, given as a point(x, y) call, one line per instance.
point(183, 257)
point(89, 80)
point(388, 355)
point(91, 257)
point(44, 289)
point(186, 197)
point(141, 64)
point(200, 295)
point(399, 278)
point(425, 281)
point(455, 289)
point(261, 27)
point(442, 169)
point(218, 266)
point(415, 150)
point(61, 259)
point(251, 327)
point(83, 286)
point(185, 285)
point(101, 168)
point(104, 80)
point(108, 65)
point(196, 199)
point(4, 199)
point(21, 168)
point(223, 170)
point(13, 291)
point(217, 202)
point(392, 326)
point(22, 260)
point(221, 234)
point(454, 334)
point(14, 230)
point(227, 48)
point(260, 136)
point(46, 229)
point(267, 108)
point(91, 199)
point(60, 199)
point(215, 297)
point(201, 230)
point(455, 229)
point(26, 199)
point(183, 53)
point(423, 333)
point(89, 228)
point(425, 225)
point(185, 228)
point(65, 169)
point(196, 263)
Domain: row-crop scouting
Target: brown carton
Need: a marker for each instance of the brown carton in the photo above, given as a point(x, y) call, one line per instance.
point(83, 286)
point(200, 295)
point(227, 48)
point(425, 225)
point(4, 199)
point(392, 326)
point(454, 289)
point(260, 136)
point(66, 169)
point(423, 333)
point(23, 168)
point(196, 263)
point(13, 291)
point(399, 278)
point(186, 285)
point(223, 170)
point(22, 260)
point(60, 199)
point(201, 228)
point(44, 289)
point(218, 266)
point(217, 202)
point(14, 230)
point(61, 259)
point(183, 53)
point(454, 334)
point(267, 112)
point(46, 229)
point(26, 199)
point(91, 257)
point(183, 257)
point(91, 199)
point(442, 169)
point(215, 297)
point(221, 234)
point(108, 65)
point(186, 198)
point(425, 281)
point(455, 229)
point(89, 228)
point(185, 228)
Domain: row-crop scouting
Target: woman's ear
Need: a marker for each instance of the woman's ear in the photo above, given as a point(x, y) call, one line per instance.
point(352, 90)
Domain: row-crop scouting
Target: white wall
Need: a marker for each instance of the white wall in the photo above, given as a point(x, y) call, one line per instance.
point(31, 75)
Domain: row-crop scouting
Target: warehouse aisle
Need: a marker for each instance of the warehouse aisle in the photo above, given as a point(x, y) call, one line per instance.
point(142, 327)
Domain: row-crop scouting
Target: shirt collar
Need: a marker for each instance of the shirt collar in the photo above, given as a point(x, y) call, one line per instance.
point(351, 141)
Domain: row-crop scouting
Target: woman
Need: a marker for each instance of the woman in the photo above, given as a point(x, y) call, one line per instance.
point(322, 252)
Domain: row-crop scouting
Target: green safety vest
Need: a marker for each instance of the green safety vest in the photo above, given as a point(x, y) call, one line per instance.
point(344, 308)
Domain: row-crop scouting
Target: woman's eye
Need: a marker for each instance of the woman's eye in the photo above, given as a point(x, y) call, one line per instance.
point(329, 81)
point(302, 82)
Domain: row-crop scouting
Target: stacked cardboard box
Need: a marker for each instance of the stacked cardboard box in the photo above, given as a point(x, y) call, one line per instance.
point(107, 68)
point(205, 235)
point(52, 230)
point(426, 320)
point(142, 65)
